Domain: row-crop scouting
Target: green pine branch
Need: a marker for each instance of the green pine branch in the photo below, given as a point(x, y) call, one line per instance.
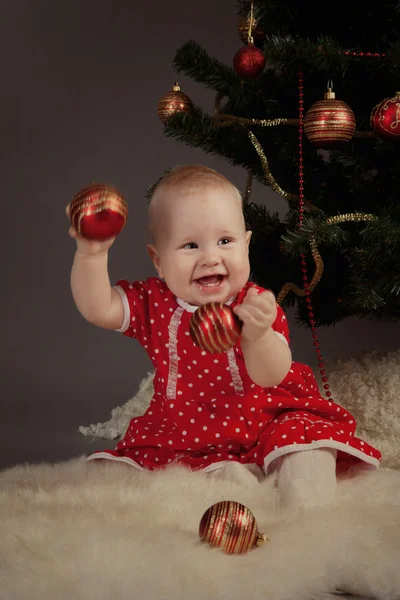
point(361, 274)
point(199, 131)
point(194, 61)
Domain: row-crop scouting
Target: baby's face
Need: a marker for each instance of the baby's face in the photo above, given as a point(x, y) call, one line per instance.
point(201, 245)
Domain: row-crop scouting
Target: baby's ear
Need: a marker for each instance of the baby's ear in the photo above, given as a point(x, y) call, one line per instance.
point(154, 256)
point(248, 237)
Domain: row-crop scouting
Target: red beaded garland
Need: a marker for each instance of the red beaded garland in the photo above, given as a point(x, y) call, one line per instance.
point(307, 290)
point(348, 53)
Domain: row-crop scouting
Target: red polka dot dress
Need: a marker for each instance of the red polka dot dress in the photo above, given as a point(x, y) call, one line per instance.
point(206, 410)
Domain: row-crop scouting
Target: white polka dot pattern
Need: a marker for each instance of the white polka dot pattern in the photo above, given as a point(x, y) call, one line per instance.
point(215, 412)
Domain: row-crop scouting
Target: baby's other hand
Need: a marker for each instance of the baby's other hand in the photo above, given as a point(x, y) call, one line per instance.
point(258, 312)
point(89, 247)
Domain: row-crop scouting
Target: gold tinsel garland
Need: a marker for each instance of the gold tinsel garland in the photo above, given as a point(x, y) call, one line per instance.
point(219, 121)
point(230, 120)
point(274, 185)
point(225, 120)
point(345, 218)
point(319, 265)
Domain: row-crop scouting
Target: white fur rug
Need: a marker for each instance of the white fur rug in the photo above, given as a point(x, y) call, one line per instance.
point(102, 531)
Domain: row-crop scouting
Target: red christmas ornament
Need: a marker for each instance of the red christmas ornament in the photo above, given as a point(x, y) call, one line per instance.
point(231, 527)
point(385, 118)
point(98, 212)
point(249, 62)
point(329, 121)
point(214, 327)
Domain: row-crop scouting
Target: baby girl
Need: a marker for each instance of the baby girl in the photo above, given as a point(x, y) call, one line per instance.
point(250, 408)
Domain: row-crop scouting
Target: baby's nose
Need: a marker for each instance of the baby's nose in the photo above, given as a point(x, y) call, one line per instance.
point(210, 259)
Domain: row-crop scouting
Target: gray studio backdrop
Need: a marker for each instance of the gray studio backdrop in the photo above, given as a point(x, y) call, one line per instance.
point(80, 84)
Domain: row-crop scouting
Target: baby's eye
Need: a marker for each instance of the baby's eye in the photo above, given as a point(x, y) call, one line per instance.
point(224, 241)
point(190, 246)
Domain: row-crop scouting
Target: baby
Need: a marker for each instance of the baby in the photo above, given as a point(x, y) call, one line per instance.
point(250, 408)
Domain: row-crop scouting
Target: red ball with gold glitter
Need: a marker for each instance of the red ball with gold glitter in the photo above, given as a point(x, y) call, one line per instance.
point(249, 62)
point(98, 212)
point(230, 526)
point(329, 121)
point(174, 102)
point(214, 327)
point(385, 118)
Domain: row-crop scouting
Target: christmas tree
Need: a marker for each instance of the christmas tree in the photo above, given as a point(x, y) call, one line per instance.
point(310, 108)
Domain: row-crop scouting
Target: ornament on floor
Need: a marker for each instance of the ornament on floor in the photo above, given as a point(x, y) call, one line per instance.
point(246, 26)
point(232, 527)
point(98, 212)
point(329, 121)
point(174, 102)
point(214, 327)
point(249, 61)
point(385, 118)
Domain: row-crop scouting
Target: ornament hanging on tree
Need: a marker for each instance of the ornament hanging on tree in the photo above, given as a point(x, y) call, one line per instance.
point(98, 212)
point(329, 121)
point(249, 61)
point(231, 527)
point(214, 327)
point(174, 102)
point(385, 118)
point(248, 27)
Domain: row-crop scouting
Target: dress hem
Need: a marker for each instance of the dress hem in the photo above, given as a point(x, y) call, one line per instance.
point(129, 461)
point(279, 452)
point(123, 459)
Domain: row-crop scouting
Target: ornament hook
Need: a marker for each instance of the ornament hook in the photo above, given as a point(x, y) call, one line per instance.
point(250, 39)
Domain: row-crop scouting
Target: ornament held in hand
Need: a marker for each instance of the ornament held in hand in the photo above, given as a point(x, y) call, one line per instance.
point(230, 526)
point(98, 212)
point(174, 102)
point(249, 61)
point(214, 327)
point(329, 121)
point(385, 118)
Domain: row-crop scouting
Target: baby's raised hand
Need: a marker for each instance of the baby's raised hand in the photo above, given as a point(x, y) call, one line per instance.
point(89, 247)
point(258, 312)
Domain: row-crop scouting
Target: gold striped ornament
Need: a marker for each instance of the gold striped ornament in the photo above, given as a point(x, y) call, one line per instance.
point(231, 527)
point(214, 327)
point(174, 102)
point(98, 212)
point(329, 121)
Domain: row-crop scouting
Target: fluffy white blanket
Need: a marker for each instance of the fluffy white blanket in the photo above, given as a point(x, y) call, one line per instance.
point(85, 531)
point(96, 530)
point(367, 385)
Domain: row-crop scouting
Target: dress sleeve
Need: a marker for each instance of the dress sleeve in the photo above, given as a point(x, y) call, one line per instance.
point(135, 300)
point(280, 326)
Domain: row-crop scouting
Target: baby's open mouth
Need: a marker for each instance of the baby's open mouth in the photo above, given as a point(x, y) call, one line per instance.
point(210, 281)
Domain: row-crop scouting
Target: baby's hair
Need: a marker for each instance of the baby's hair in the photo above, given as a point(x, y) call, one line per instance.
point(187, 177)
